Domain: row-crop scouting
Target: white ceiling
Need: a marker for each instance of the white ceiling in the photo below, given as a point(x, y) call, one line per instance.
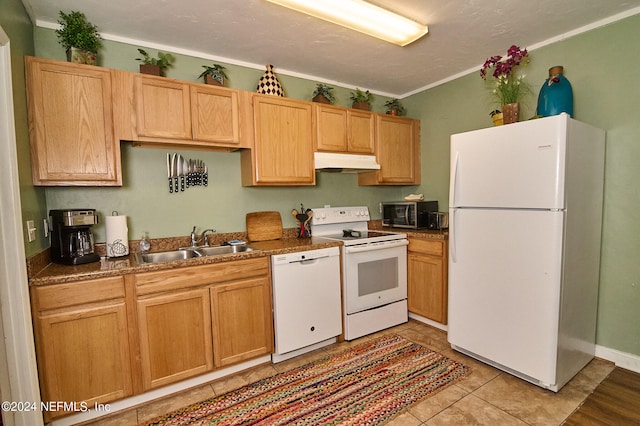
point(462, 34)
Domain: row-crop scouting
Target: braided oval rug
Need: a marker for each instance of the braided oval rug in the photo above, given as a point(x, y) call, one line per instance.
point(365, 385)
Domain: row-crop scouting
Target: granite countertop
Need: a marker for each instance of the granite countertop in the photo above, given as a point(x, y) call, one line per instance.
point(411, 233)
point(42, 271)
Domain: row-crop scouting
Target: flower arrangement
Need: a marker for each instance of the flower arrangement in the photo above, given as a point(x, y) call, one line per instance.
point(509, 87)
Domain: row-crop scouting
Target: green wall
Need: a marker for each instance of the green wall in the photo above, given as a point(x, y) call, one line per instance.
point(16, 23)
point(602, 66)
point(144, 196)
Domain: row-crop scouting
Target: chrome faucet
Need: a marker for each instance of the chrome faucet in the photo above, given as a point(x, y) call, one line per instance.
point(203, 237)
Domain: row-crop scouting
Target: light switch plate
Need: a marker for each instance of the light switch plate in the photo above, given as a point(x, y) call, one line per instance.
point(31, 230)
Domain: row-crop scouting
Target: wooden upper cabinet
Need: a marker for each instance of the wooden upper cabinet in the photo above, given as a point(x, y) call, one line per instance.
point(344, 130)
point(215, 114)
point(283, 151)
point(397, 151)
point(71, 126)
point(163, 108)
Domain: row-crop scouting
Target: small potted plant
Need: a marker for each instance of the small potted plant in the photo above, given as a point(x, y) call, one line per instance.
point(323, 94)
point(213, 75)
point(361, 100)
point(79, 37)
point(155, 66)
point(394, 107)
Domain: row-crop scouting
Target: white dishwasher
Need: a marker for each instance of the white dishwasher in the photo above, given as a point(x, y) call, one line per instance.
point(307, 307)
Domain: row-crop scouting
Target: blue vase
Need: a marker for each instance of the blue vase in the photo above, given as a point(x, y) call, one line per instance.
point(556, 94)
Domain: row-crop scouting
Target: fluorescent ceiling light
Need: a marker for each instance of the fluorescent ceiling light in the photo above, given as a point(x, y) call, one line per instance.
point(361, 16)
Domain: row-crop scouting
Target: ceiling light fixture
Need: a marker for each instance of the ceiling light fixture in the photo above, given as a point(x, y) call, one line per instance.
point(361, 16)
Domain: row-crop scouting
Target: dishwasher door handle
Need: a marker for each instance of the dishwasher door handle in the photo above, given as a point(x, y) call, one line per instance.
point(309, 261)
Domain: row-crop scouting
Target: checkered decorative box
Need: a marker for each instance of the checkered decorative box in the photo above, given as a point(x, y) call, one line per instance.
point(269, 84)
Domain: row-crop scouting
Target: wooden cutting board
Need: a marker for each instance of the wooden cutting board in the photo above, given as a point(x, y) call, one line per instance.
point(264, 226)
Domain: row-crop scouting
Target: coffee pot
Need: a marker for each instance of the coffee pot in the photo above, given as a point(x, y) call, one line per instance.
point(71, 237)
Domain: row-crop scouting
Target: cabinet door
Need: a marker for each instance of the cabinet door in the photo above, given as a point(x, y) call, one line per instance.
point(242, 320)
point(283, 153)
point(397, 151)
point(83, 354)
point(215, 114)
point(71, 124)
point(163, 108)
point(361, 132)
point(175, 337)
point(427, 279)
point(331, 128)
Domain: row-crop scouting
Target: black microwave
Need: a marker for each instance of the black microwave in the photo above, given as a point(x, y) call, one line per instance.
point(408, 214)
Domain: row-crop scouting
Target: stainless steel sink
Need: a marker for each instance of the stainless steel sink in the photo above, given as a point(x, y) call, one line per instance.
point(190, 253)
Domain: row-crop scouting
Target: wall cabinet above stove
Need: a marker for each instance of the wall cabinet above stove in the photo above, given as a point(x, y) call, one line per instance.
point(343, 130)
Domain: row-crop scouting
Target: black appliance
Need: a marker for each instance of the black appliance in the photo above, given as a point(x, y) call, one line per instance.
point(408, 214)
point(71, 237)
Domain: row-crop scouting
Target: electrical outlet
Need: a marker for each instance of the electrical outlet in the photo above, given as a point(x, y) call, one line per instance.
point(31, 231)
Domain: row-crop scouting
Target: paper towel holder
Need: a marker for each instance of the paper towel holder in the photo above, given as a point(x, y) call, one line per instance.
point(117, 235)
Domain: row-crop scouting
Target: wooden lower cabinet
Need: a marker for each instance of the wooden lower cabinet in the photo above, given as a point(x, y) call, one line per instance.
point(242, 321)
point(427, 278)
point(175, 336)
point(81, 342)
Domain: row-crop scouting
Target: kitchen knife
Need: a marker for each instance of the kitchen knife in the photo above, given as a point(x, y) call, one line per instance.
point(174, 171)
point(186, 169)
point(206, 176)
point(181, 171)
point(169, 172)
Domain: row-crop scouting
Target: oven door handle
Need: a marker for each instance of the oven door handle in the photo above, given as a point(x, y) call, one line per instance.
point(376, 246)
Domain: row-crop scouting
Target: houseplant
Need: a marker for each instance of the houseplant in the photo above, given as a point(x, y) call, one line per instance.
point(509, 87)
point(394, 107)
point(323, 94)
point(213, 75)
point(361, 100)
point(79, 37)
point(155, 66)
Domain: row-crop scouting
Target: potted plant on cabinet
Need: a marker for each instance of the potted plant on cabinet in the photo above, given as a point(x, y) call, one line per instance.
point(323, 94)
point(213, 75)
point(155, 66)
point(361, 100)
point(394, 107)
point(79, 37)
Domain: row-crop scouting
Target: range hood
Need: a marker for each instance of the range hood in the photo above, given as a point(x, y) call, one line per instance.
point(345, 163)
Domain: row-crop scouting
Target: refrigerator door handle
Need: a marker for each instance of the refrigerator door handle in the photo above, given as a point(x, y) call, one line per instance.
point(452, 235)
point(454, 181)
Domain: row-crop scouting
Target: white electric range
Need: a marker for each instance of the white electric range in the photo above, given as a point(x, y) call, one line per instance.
point(374, 269)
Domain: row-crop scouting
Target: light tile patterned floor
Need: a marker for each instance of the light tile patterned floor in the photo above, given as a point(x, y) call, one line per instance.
point(486, 396)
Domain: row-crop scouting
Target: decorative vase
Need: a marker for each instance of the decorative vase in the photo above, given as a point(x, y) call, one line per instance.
point(556, 94)
point(269, 84)
point(361, 105)
point(81, 56)
point(150, 69)
point(213, 81)
point(511, 113)
point(498, 119)
point(320, 98)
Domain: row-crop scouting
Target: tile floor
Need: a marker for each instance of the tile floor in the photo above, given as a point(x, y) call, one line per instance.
point(486, 396)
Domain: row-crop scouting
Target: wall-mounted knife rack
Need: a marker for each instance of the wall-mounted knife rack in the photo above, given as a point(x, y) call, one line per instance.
point(184, 174)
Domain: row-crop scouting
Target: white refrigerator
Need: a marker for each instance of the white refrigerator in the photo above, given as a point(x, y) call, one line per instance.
point(524, 238)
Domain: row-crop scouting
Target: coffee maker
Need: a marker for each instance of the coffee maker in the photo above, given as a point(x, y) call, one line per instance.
point(71, 237)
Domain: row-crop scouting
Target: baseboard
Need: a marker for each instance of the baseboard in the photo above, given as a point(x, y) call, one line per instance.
point(427, 321)
point(620, 359)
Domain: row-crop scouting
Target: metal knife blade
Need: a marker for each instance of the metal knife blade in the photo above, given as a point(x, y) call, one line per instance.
point(174, 171)
point(181, 171)
point(169, 172)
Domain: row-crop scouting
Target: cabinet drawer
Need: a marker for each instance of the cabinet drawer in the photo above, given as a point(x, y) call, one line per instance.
point(174, 279)
point(77, 293)
point(432, 247)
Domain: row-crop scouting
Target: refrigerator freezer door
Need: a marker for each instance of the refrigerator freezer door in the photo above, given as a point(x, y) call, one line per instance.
point(504, 287)
point(520, 165)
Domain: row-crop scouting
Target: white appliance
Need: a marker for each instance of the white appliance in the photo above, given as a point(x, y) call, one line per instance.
point(374, 269)
point(306, 301)
point(524, 235)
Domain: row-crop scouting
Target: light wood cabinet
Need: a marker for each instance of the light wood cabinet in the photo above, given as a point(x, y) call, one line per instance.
point(242, 320)
point(344, 130)
point(82, 343)
point(427, 278)
point(397, 151)
point(191, 320)
point(283, 138)
point(175, 336)
point(172, 112)
point(71, 124)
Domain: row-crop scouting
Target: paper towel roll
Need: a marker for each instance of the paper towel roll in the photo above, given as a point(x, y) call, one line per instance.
point(117, 236)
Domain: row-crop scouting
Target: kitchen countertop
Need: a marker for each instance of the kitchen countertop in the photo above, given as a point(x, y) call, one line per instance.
point(411, 233)
point(53, 273)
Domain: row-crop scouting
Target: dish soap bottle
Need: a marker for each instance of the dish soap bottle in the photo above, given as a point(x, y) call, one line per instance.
point(145, 245)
